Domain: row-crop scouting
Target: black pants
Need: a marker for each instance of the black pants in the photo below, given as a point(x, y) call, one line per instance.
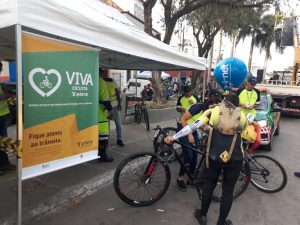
point(230, 175)
point(3, 133)
point(189, 156)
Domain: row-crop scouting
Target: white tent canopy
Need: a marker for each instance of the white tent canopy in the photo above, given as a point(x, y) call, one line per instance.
point(92, 23)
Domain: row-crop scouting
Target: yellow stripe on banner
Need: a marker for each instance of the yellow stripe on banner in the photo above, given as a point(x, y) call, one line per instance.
point(38, 44)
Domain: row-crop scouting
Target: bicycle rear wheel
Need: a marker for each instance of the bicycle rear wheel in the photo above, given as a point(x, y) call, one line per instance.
point(240, 186)
point(141, 179)
point(267, 174)
point(146, 118)
point(137, 114)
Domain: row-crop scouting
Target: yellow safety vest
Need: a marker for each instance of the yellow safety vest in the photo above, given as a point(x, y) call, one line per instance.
point(248, 97)
point(187, 102)
point(103, 126)
point(194, 118)
point(4, 110)
point(112, 92)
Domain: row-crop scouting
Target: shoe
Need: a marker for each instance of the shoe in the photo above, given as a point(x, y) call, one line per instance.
point(8, 166)
point(105, 158)
point(191, 183)
point(181, 185)
point(120, 143)
point(202, 220)
point(228, 222)
point(297, 174)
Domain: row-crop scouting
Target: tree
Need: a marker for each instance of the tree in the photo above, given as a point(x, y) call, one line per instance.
point(175, 9)
point(266, 35)
point(207, 22)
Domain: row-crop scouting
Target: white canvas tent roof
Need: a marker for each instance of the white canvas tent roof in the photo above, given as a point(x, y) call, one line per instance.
point(90, 22)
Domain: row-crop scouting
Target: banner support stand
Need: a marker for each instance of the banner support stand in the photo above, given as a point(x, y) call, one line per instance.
point(18, 33)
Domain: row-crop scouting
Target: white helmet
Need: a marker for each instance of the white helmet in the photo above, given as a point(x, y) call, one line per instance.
point(250, 118)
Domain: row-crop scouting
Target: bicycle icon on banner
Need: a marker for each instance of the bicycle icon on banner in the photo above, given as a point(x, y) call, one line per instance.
point(46, 83)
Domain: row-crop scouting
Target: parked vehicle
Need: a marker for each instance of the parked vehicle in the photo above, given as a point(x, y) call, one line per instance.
point(284, 91)
point(268, 117)
point(135, 87)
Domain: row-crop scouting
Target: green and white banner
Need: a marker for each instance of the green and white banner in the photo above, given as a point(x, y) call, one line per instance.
point(60, 105)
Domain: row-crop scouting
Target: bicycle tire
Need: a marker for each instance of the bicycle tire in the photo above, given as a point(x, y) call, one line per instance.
point(137, 115)
point(265, 172)
point(239, 189)
point(130, 166)
point(157, 140)
point(146, 118)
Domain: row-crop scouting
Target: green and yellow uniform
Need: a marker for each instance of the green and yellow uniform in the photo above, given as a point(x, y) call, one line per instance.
point(248, 98)
point(4, 110)
point(104, 106)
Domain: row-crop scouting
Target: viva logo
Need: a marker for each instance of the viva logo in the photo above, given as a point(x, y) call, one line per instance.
point(45, 88)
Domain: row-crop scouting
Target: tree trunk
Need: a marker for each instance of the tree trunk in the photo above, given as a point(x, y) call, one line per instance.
point(267, 56)
point(251, 52)
point(170, 25)
point(148, 6)
point(220, 46)
point(159, 93)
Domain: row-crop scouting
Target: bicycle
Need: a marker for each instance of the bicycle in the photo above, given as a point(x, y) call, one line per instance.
point(143, 178)
point(262, 176)
point(140, 111)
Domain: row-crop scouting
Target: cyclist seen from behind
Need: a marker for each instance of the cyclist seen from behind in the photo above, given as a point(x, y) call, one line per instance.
point(223, 153)
point(249, 99)
point(189, 157)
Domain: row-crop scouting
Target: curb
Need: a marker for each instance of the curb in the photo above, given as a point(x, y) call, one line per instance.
point(66, 198)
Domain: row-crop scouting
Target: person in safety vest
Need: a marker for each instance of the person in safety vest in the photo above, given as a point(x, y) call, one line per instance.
point(186, 100)
point(115, 101)
point(4, 114)
point(249, 98)
point(105, 111)
point(190, 157)
point(224, 153)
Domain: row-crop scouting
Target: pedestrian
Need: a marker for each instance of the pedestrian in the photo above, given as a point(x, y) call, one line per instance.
point(249, 98)
point(149, 92)
point(115, 100)
point(4, 115)
point(105, 111)
point(224, 153)
point(144, 93)
point(175, 88)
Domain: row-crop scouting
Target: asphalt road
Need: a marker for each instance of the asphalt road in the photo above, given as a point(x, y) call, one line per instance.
point(176, 207)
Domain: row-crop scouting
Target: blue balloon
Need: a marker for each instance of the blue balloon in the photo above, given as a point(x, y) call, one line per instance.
point(230, 73)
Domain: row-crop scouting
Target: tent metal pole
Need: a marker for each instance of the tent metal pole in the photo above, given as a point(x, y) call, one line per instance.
point(18, 32)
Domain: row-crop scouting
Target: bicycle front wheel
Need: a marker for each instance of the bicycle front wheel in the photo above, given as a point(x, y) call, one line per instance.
point(267, 174)
point(141, 179)
point(158, 137)
point(240, 186)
